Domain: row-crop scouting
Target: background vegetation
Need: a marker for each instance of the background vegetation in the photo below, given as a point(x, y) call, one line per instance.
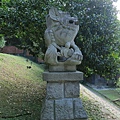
point(98, 37)
point(2, 41)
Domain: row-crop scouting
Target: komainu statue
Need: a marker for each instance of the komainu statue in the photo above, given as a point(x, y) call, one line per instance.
point(59, 38)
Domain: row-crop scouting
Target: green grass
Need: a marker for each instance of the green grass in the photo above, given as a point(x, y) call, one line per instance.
point(95, 111)
point(92, 109)
point(21, 90)
point(112, 95)
point(118, 83)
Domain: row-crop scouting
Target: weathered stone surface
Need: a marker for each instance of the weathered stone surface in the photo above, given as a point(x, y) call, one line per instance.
point(72, 89)
point(59, 68)
point(64, 109)
point(55, 90)
point(79, 112)
point(62, 98)
point(47, 112)
point(62, 56)
point(63, 76)
point(59, 38)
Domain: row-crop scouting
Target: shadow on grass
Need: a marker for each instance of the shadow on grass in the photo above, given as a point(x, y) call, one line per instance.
point(21, 101)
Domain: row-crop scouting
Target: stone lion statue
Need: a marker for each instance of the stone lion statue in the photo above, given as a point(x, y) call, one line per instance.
point(59, 38)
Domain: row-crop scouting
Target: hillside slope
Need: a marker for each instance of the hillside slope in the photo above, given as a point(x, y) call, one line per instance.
point(21, 88)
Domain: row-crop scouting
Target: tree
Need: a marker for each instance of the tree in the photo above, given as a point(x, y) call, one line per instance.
point(2, 41)
point(98, 37)
point(25, 19)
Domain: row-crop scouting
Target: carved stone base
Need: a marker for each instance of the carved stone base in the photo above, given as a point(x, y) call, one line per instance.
point(63, 68)
point(62, 98)
point(63, 109)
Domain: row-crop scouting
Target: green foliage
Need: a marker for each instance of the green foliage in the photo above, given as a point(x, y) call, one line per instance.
point(98, 37)
point(2, 41)
point(25, 19)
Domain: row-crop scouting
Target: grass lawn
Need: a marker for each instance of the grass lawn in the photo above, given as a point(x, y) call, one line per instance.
point(95, 110)
point(112, 95)
point(21, 90)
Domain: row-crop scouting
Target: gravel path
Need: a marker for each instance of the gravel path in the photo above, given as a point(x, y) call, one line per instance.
point(106, 106)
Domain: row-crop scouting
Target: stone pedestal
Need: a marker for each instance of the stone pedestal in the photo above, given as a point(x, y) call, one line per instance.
point(62, 99)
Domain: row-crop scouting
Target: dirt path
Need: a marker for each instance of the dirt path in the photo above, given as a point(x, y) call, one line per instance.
point(106, 106)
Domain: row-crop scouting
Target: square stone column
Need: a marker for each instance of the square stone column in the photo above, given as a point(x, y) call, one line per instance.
point(62, 96)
